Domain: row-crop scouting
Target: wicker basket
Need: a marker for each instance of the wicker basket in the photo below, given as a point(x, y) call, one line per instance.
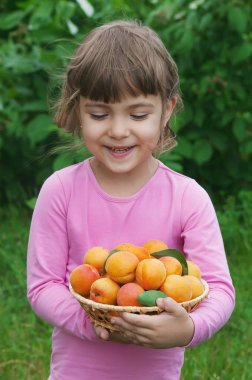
point(100, 314)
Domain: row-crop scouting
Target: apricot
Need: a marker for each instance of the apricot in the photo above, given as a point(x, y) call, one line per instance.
point(124, 246)
point(96, 256)
point(155, 245)
point(121, 266)
point(177, 287)
point(172, 265)
point(195, 284)
point(150, 273)
point(140, 252)
point(128, 294)
point(82, 277)
point(193, 269)
point(104, 290)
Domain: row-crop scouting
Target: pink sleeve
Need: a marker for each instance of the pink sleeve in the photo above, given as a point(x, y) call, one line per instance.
point(203, 244)
point(47, 260)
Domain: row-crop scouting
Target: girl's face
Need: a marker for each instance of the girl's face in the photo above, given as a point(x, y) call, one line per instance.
point(121, 136)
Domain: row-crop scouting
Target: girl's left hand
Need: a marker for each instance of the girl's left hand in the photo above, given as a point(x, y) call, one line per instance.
point(171, 328)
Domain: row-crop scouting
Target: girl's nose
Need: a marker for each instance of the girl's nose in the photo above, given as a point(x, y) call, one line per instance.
point(118, 129)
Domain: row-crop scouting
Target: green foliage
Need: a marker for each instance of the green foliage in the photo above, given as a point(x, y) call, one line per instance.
point(211, 42)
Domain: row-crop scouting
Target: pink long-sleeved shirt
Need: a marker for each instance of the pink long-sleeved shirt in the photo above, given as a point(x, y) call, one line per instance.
point(73, 214)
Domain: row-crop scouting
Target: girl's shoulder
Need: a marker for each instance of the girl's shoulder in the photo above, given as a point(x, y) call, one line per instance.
point(68, 174)
point(182, 184)
point(61, 185)
point(66, 178)
point(174, 177)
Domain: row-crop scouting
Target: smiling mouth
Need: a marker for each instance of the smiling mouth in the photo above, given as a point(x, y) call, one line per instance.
point(121, 149)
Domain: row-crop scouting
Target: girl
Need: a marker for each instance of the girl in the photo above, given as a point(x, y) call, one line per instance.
point(119, 93)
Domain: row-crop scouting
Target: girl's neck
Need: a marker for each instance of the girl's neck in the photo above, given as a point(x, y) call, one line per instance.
point(123, 184)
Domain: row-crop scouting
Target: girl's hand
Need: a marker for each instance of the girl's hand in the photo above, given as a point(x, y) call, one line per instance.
point(171, 328)
point(101, 332)
point(104, 334)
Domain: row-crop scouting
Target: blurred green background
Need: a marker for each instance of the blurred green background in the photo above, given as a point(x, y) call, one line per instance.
point(211, 42)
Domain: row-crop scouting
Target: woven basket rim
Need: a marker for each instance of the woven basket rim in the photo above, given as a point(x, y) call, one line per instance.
point(135, 309)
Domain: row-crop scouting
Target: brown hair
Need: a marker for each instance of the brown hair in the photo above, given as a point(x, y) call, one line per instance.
point(117, 59)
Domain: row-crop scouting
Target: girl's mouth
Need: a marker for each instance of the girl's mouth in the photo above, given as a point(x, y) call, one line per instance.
point(120, 151)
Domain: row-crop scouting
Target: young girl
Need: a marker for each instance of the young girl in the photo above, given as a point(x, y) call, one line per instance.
point(120, 90)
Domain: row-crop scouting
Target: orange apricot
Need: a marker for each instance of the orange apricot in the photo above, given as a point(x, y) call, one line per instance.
point(172, 265)
point(128, 294)
point(195, 284)
point(124, 246)
point(96, 256)
point(193, 269)
point(155, 245)
point(177, 287)
point(140, 252)
point(150, 273)
point(121, 266)
point(82, 277)
point(104, 290)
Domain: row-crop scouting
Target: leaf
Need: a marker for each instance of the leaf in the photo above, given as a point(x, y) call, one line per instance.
point(219, 141)
point(239, 129)
point(104, 266)
point(247, 148)
point(39, 128)
point(65, 10)
point(241, 52)
point(199, 117)
point(149, 297)
point(187, 41)
point(237, 18)
point(202, 151)
point(184, 147)
point(41, 15)
point(185, 117)
point(205, 21)
point(36, 105)
point(173, 253)
point(10, 20)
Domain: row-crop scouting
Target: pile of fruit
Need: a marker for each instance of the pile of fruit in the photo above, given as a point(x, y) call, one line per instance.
point(136, 276)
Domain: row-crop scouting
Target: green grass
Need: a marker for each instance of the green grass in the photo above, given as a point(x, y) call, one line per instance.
point(25, 342)
point(228, 355)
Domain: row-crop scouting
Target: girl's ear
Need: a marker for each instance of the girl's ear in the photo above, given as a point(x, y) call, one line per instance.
point(171, 104)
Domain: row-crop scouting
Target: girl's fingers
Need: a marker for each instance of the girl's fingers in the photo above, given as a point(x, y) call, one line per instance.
point(129, 324)
point(137, 320)
point(101, 332)
point(170, 306)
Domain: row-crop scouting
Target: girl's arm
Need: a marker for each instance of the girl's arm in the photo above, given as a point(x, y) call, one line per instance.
point(203, 244)
point(48, 251)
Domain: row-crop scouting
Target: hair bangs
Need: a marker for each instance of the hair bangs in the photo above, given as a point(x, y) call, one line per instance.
point(113, 86)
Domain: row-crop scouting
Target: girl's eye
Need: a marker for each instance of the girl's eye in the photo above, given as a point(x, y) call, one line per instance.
point(139, 116)
point(98, 116)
